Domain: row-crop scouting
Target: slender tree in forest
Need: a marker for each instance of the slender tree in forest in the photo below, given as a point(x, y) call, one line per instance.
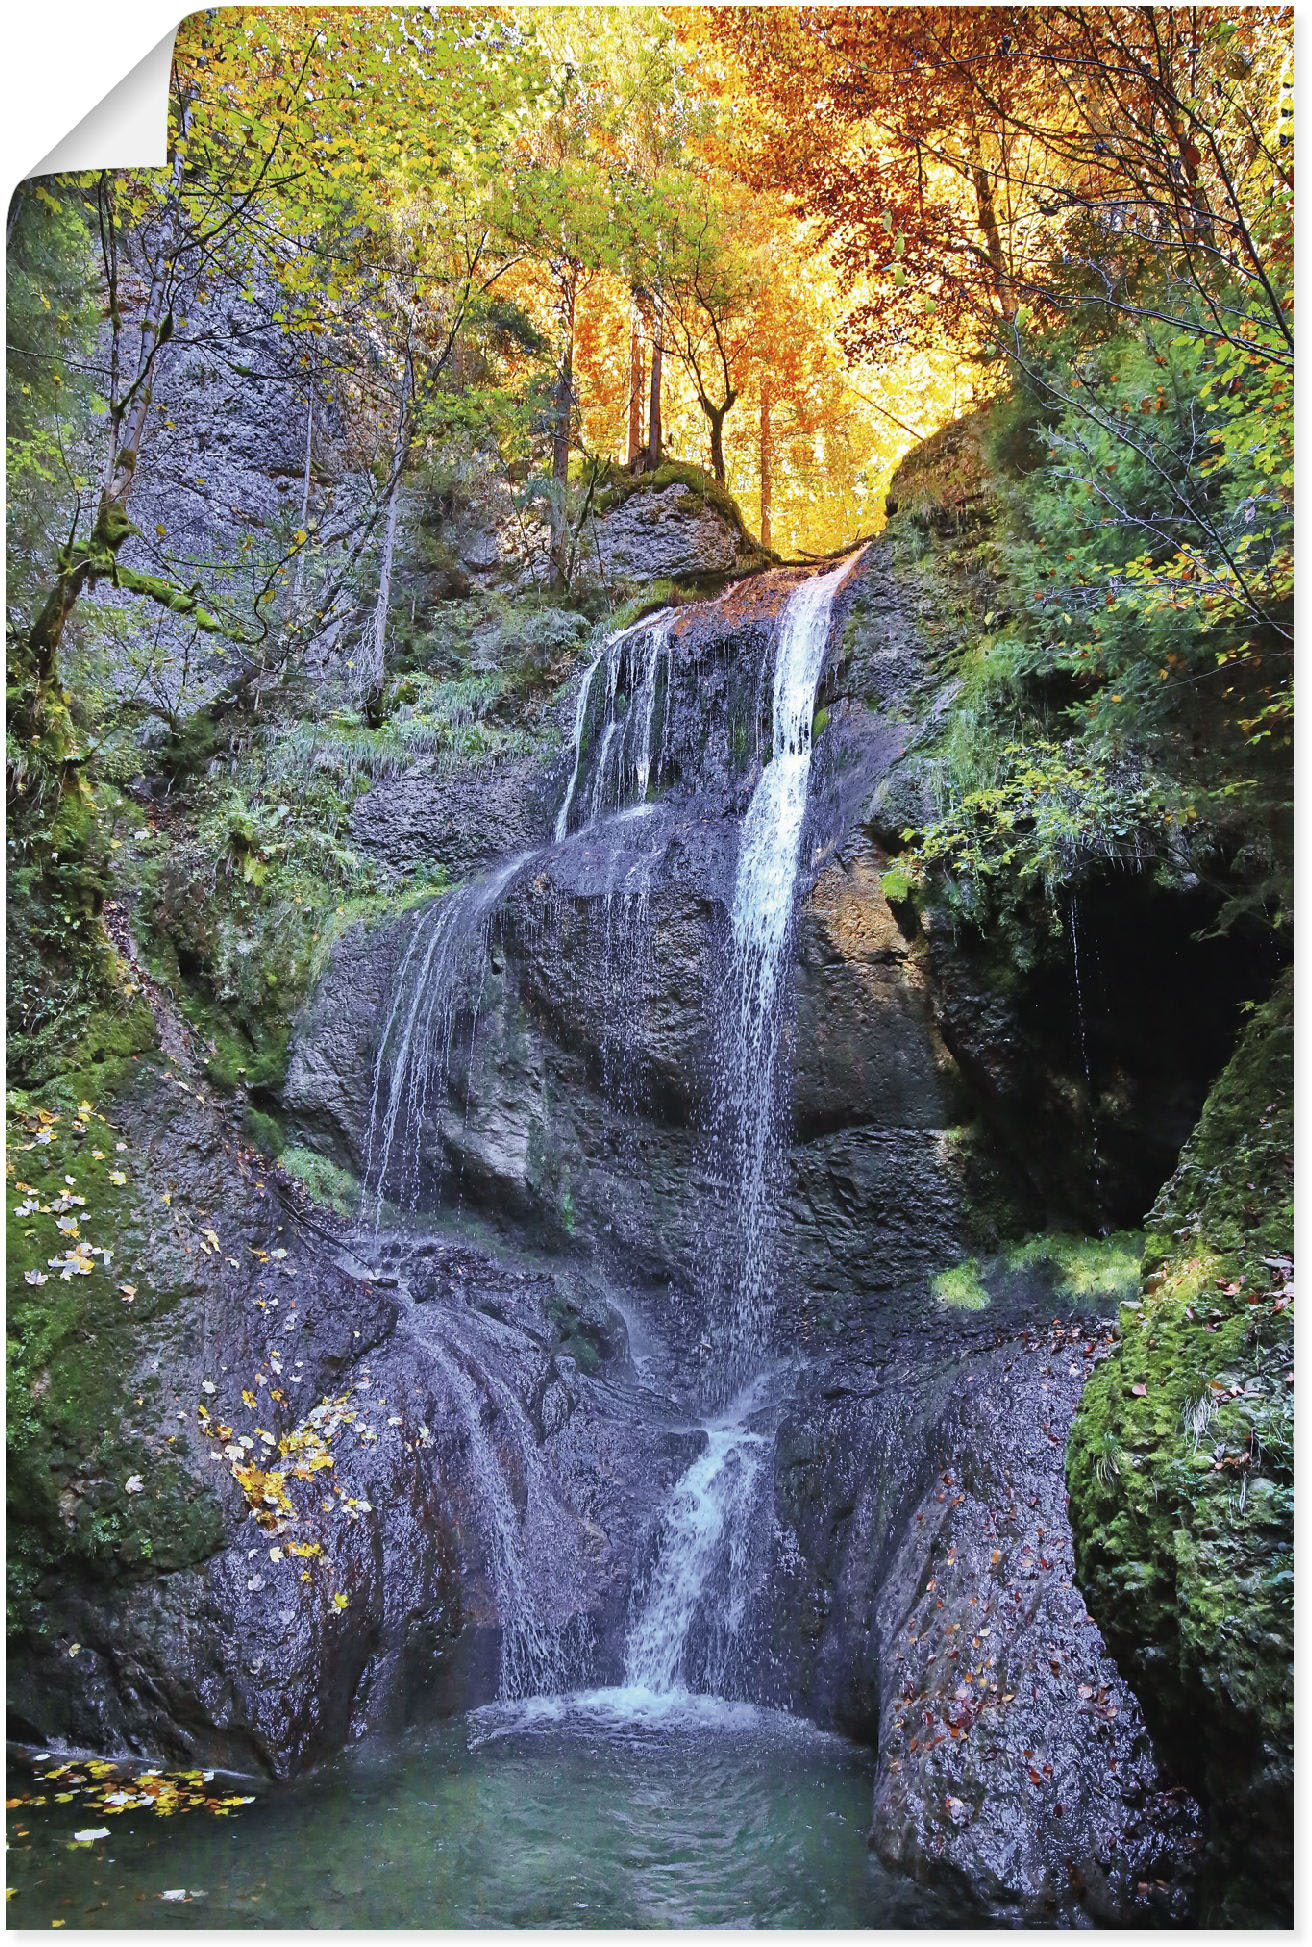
point(766, 457)
point(637, 376)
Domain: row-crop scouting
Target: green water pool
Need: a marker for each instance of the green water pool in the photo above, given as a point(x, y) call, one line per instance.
point(607, 1810)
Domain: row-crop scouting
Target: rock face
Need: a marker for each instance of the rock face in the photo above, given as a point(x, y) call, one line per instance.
point(425, 818)
point(672, 532)
point(590, 1032)
point(222, 487)
point(675, 524)
point(504, 1377)
point(381, 1590)
point(922, 1513)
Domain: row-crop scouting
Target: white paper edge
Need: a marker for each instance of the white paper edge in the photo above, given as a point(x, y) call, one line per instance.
point(128, 129)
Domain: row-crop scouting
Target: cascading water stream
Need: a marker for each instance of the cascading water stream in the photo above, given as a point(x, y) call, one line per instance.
point(628, 751)
point(750, 1113)
point(533, 1658)
point(441, 974)
point(688, 1624)
point(684, 1633)
point(703, 1549)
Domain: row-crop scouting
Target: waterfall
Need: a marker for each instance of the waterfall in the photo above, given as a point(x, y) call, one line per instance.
point(685, 1632)
point(439, 983)
point(626, 670)
point(750, 1114)
point(689, 1621)
point(536, 1656)
point(441, 976)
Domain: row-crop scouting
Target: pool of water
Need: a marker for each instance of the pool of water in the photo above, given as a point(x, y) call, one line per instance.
point(608, 1809)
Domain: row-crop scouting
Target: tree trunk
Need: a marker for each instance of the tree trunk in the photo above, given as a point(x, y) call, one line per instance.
point(636, 376)
point(376, 670)
point(562, 411)
point(82, 566)
point(987, 210)
point(716, 414)
point(767, 463)
point(654, 430)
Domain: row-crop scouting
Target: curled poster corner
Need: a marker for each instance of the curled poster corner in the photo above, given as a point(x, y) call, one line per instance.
point(128, 129)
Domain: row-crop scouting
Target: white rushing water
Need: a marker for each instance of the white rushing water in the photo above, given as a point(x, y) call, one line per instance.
point(687, 1633)
point(440, 978)
point(628, 752)
point(685, 1630)
point(750, 1112)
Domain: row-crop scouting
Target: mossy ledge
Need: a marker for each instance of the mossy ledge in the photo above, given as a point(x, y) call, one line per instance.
point(619, 485)
point(1180, 1470)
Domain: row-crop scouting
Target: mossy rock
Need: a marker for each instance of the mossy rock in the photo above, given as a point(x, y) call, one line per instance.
point(89, 1486)
point(1181, 1482)
point(619, 486)
point(945, 483)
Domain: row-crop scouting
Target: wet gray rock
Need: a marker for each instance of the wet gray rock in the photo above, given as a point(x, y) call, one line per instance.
point(926, 1598)
point(670, 531)
point(463, 819)
point(999, 1703)
point(245, 1653)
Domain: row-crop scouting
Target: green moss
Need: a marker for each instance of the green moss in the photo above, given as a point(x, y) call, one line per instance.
point(653, 595)
point(1076, 1270)
point(576, 1333)
point(565, 1206)
point(1184, 1545)
point(81, 1417)
point(962, 1287)
point(1084, 1267)
point(263, 1132)
point(945, 482)
point(323, 1180)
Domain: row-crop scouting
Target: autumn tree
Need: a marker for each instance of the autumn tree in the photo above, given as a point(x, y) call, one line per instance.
point(291, 136)
point(712, 281)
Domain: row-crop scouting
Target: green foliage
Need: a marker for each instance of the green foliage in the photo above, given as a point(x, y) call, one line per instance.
point(1121, 594)
point(323, 1180)
point(1048, 813)
point(1181, 1462)
point(897, 883)
point(50, 329)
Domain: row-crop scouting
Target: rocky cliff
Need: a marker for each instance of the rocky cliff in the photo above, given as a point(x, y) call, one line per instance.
point(405, 1440)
